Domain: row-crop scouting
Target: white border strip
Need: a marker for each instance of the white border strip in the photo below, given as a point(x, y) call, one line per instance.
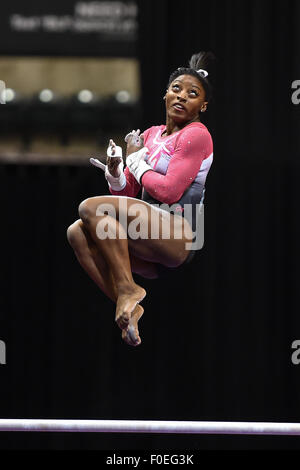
point(166, 427)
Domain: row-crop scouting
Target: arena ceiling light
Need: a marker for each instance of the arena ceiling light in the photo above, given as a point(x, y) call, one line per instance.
point(8, 95)
point(46, 95)
point(85, 96)
point(123, 96)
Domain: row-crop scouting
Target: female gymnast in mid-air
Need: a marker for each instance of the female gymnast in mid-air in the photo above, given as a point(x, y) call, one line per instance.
point(169, 163)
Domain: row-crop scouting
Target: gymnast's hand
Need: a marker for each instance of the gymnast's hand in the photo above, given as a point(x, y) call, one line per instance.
point(136, 154)
point(113, 169)
point(134, 141)
point(113, 159)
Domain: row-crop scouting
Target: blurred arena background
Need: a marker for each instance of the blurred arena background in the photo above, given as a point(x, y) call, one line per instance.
point(62, 109)
point(63, 97)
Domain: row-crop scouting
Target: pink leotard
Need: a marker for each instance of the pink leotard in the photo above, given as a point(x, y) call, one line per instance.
point(180, 164)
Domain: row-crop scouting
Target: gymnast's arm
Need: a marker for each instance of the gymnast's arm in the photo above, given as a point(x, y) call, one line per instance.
point(193, 147)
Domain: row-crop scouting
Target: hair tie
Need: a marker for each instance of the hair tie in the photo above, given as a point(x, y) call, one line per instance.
point(203, 73)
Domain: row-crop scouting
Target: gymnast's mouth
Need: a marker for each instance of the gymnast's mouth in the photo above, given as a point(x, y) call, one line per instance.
point(179, 107)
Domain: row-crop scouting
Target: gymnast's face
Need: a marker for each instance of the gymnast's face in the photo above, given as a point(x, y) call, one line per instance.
point(185, 98)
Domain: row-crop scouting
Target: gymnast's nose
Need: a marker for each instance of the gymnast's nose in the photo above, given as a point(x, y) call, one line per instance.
point(181, 96)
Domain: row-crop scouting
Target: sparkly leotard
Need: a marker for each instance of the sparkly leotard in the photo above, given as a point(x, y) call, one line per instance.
point(180, 164)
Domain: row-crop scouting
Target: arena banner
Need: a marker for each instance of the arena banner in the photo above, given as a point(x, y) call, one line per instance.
point(69, 28)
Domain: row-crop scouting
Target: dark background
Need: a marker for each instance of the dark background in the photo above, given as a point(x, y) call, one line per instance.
point(58, 37)
point(216, 342)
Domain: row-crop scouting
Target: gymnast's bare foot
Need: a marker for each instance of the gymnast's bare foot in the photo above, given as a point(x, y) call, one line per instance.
point(131, 335)
point(128, 299)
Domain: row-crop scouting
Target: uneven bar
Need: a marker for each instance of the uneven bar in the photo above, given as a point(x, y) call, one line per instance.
point(159, 427)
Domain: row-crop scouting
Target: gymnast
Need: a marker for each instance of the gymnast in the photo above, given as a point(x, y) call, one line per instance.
point(169, 164)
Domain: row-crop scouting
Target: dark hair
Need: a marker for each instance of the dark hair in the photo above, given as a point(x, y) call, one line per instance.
point(202, 60)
